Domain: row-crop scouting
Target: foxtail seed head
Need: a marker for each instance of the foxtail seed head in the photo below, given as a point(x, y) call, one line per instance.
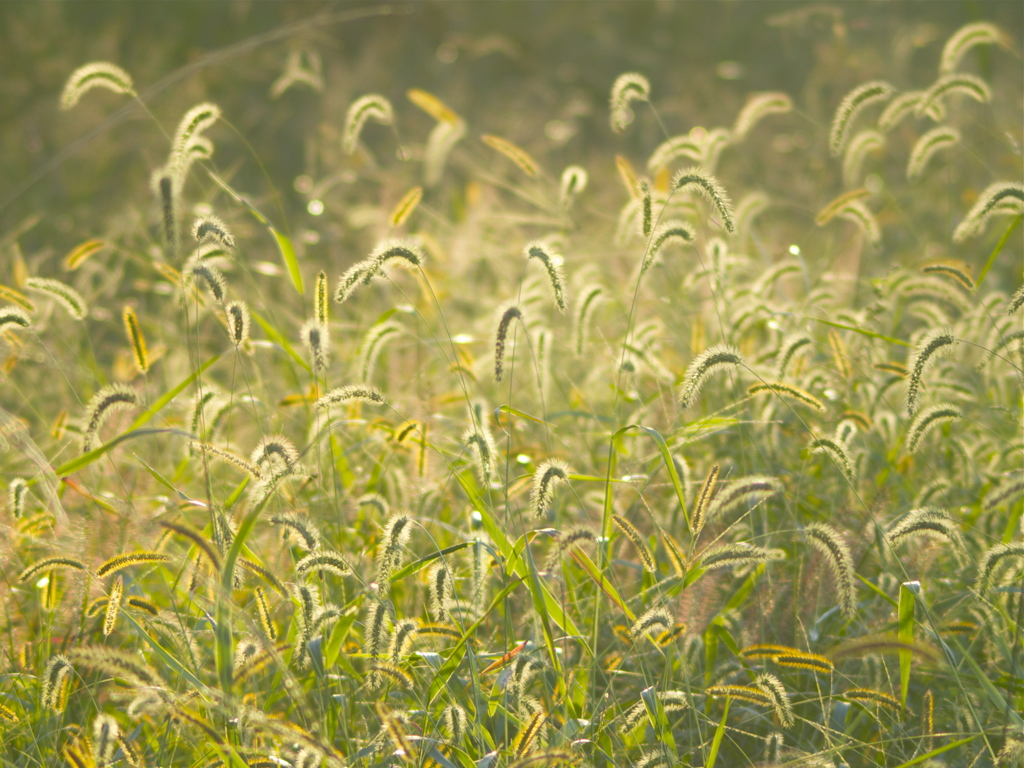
point(965, 38)
point(98, 74)
point(955, 82)
point(362, 393)
point(651, 622)
point(629, 87)
point(321, 299)
point(546, 478)
point(55, 683)
point(933, 344)
point(998, 196)
point(759, 106)
point(829, 542)
point(709, 188)
point(553, 265)
point(105, 735)
point(113, 605)
point(114, 397)
point(13, 317)
point(17, 493)
point(851, 105)
point(212, 229)
point(370, 107)
point(589, 298)
point(136, 339)
point(508, 314)
point(667, 232)
point(925, 148)
point(728, 555)
point(439, 590)
point(237, 315)
point(64, 294)
point(927, 419)
point(637, 540)
point(703, 367)
point(393, 541)
point(703, 501)
point(315, 336)
point(574, 180)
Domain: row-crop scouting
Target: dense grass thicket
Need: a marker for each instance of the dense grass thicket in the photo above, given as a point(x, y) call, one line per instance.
point(697, 443)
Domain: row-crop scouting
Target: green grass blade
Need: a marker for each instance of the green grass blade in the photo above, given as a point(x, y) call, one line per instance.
point(591, 569)
point(876, 590)
point(277, 338)
point(284, 245)
point(991, 691)
point(716, 742)
point(518, 564)
point(855, 329)
point(159, 405)
point(452, 664)
point(516, 412)
point(537, 594)
point(157, 476)
point(999, 247)
point(937, 751)
point(88, 458)
point(670, 465)
point(905, 633)
point(423, 562)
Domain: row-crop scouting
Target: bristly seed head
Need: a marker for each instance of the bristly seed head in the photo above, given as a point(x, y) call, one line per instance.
point(933, 344)
point(508, 314)
point(114, 397)
point(703, 367)
point(553, 264)
point(546, 478)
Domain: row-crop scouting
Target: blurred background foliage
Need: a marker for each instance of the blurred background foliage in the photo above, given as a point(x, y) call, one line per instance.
point(535, 73)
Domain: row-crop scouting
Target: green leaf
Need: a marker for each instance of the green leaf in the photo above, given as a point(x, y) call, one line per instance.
point(591, 569)
point(157, 476)
point(158, 406)
point(990, 690)
point(284, 245)
point(277, 338)
point(517, 564)
point(88, 458)
point(876, 590)
point(338, 635)
point(224, 644)
point(237, 493)
point(999, 247)
point(937, 751)
point(670, 465)
point(229, 756)
point(168, 658)
point(423, 562)
point(905, 633)
point(452, 664)
point(594, 479)
point(719, 733)
point(537, 593)
point(861, 331)
point(516, 412)
point(726, 637)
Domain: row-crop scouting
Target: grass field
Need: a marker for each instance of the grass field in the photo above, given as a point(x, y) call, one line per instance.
point(489, 406)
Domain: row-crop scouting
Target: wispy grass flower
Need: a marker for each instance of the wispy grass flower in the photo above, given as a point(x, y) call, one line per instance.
point(704, 366)
point(98, 74)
